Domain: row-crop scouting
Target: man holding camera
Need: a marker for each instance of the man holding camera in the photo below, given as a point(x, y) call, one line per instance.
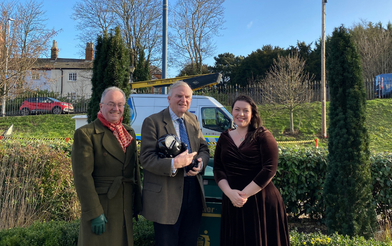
point(173, 193)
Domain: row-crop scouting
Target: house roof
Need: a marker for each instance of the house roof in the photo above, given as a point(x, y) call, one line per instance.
point(63, 63)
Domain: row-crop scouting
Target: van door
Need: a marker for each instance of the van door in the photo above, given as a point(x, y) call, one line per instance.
point(214, 121)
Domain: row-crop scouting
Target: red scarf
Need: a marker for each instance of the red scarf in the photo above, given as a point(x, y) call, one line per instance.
point(119, 131)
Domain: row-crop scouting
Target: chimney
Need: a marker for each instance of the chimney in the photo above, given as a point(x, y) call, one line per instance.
point(54, 54)
point(89, 51)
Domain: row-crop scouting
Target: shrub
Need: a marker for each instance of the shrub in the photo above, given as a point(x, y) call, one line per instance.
point(35, 184)
point(300, 178)
point(62, 233)
point(382, 182)
point(54, 233)
point(318, 239)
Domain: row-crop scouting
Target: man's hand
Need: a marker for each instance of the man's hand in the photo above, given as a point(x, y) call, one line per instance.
point(183, 159)
point(195, 170)
point(98, 224)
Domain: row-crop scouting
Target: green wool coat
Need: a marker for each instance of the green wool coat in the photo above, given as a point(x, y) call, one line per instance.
point(107, 181)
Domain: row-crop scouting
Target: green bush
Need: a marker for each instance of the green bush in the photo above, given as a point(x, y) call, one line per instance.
point(382, 182)
point(143, 232)
point(62, 233)
point(300, 178)
point(301, 175)
point(35, 184)
point(54, 233)
point(318, 239)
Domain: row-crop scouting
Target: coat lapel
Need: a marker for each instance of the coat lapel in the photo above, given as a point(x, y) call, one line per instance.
point(168, 123)
point(109, 141)
point(191, 131)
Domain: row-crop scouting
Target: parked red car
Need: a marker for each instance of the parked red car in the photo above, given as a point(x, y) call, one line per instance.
point(36, 105)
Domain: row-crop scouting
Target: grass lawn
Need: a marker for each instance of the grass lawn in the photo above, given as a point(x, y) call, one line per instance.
point(307, 124)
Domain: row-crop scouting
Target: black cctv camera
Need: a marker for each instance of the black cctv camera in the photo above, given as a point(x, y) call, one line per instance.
point(169, 146)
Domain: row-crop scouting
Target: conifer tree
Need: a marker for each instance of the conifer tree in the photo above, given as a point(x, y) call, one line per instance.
point(97, 80)
point(142, 70)
point(347, 189)
point(117, 70)
point(111, 68)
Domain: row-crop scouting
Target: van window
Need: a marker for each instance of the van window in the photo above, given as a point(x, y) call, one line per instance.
point(215, 119)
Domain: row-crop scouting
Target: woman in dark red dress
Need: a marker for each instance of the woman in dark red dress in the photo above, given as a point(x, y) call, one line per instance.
point(246, 159)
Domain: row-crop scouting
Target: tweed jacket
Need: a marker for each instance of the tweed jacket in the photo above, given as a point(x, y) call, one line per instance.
point(107, 181)
point(163, 191)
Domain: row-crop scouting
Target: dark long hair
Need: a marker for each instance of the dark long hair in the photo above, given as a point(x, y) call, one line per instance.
point(255, 121)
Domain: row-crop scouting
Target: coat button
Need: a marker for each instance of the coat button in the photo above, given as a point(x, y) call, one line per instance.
point(105, 154)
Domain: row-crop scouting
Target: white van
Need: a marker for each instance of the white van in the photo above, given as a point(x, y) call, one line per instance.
point(212, 116)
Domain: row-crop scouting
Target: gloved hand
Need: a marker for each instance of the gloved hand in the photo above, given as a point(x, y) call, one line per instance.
point(98, 224)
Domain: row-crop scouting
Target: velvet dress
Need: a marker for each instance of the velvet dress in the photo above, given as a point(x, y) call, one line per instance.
point(262, 221)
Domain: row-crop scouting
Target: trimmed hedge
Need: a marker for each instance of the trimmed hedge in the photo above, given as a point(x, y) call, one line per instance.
point(318, 239)
point(62, 233)
point(300, 178)
point(301, 175)
point(54, 233)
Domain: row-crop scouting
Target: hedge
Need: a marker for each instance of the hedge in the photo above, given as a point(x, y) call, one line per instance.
point(36, 182)
point(61, 233)
point(301, 174)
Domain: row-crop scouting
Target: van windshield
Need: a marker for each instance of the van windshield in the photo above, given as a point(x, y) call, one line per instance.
point(216, 119)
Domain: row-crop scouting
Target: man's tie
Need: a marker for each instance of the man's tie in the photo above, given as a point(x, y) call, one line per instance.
point(183, 134)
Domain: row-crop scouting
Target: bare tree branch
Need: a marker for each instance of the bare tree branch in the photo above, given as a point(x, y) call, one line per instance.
point(286, 83)
point(374, 44)
point(141, 24)
point(27, 41)
point(195, 23)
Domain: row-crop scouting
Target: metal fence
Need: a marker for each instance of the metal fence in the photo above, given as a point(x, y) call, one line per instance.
point(13, 105)
point(225, 94)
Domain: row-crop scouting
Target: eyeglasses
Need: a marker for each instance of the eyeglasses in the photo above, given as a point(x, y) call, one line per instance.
point(113, 105)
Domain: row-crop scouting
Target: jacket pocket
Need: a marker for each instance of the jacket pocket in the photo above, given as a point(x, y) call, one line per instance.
point(152, 187)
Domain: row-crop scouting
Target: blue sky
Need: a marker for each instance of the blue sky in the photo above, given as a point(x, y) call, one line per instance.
point(250, 24)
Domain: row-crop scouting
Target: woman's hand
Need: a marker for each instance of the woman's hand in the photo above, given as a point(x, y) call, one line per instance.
point(237, 198)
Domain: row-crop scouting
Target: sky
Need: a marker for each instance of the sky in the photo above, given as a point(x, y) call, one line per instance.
point(249, 24)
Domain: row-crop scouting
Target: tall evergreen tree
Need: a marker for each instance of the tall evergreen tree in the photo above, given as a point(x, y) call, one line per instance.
point(347, 189)
point(97, 80)
point(111, 68)
point(142, 70)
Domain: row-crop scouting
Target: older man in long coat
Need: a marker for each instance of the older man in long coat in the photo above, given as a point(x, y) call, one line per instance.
point(106, 174)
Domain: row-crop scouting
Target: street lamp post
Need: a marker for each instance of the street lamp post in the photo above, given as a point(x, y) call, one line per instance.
point(323, 89)
point(6, 67)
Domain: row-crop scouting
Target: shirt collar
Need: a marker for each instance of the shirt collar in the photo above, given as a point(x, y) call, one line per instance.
point(173, 115)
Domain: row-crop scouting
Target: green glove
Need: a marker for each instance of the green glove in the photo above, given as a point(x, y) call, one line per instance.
point(98, 224)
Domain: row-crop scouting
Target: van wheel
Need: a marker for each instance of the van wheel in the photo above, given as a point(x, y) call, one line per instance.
point(24, 111)
point(56, 110)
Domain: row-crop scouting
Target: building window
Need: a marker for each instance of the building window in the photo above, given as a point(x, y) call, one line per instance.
point(72, 77)
point(35, 76)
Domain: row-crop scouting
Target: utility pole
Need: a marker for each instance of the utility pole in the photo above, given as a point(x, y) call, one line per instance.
point(323, 89)
point(6, 67)
point(164, 42)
